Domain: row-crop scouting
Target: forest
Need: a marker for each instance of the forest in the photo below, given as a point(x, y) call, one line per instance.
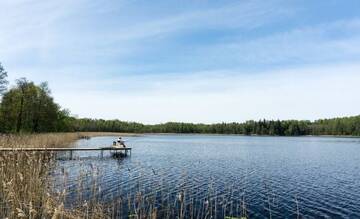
point(27, 107)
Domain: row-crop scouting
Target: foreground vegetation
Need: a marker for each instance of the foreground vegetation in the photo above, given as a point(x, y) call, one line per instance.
point(35, 185)
point(25, 179)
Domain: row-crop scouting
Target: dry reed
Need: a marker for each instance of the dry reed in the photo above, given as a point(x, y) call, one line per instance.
point(24, 178)
point(49, 140)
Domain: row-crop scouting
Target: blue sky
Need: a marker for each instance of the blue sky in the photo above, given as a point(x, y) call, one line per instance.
point(191, 61)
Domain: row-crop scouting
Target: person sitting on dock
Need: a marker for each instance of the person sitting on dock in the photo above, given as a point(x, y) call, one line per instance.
point(121, 142)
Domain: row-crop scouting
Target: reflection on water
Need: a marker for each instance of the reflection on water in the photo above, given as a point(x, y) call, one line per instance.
point(222, 175)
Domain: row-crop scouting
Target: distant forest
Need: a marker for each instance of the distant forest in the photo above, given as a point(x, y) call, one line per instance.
point(30, 108)
point(340, 126)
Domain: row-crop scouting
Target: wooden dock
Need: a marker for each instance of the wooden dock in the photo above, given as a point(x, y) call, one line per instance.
point(127, 151)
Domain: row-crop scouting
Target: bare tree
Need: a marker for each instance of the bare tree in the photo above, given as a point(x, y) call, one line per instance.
point(3, 81)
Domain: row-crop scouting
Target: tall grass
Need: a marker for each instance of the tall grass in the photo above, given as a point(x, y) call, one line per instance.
point(49, 140)
point(24, 178)
point(38, 140)
point(148, 196)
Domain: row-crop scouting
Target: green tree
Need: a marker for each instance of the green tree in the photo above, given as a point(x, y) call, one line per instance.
point(22, 85)
point(30, 108)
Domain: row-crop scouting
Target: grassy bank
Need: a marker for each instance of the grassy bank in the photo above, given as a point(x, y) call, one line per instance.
point(50, 140)
point(24, 186)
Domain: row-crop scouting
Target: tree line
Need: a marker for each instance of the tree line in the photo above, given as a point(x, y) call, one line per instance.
point(29, 108)
point(349, 126)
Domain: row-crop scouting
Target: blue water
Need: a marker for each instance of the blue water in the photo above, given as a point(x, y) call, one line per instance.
point(262, 177)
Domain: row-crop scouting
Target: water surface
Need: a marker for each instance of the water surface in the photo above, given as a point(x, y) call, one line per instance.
point(278, 177)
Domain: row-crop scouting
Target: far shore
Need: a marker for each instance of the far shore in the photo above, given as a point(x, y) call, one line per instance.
point(125, 134)
point(99, 134)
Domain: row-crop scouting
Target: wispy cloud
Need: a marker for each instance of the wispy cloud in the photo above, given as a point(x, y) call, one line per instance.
point(246, 14)
point(195, 61)
point(42, 28)
point(328, 42)
point(301, 93)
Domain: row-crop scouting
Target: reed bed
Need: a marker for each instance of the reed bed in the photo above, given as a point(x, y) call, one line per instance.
point(24, 178)
point(38, 140)
point(149, 195)
point(49, 140)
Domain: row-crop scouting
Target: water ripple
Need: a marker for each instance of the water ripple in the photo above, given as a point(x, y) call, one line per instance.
point(223, 175)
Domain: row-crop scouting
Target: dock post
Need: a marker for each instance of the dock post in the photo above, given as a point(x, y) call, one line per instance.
point(102, 153)
point(71, 154)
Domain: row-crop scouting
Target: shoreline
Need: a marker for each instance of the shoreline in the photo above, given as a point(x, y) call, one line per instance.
point(126, 134)
point(100, 134)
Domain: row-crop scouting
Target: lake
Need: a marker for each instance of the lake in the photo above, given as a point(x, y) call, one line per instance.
point(221, 175)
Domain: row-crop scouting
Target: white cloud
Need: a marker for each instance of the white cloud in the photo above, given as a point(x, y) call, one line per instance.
point(49, 30)
point(246, 15)
point(327, 42)
point(91, 55)
point(307, 93)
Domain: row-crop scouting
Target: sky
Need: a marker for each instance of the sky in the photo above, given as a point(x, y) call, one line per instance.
point(196, 61)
